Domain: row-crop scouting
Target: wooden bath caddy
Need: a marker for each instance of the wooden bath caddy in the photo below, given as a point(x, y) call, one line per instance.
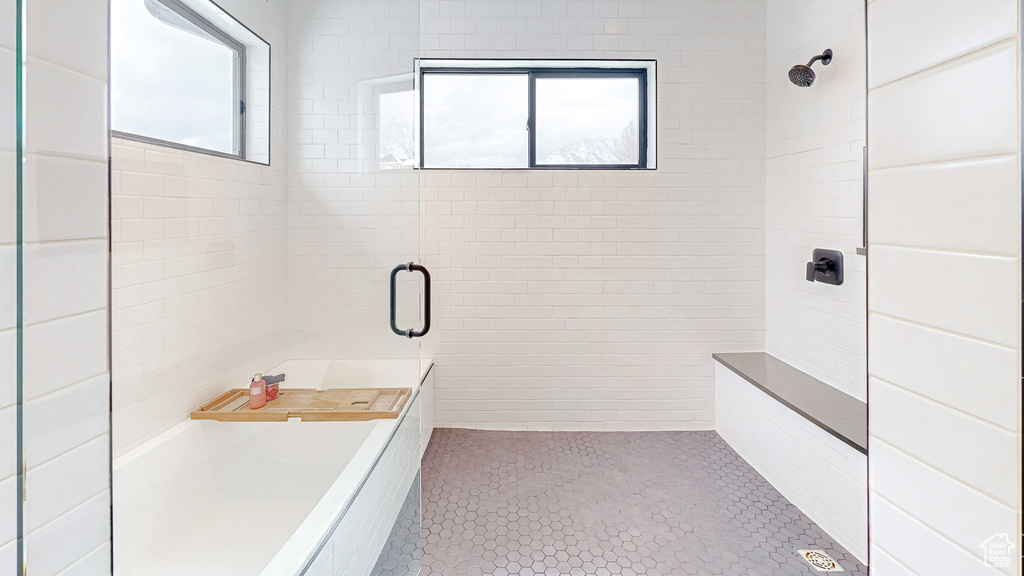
point(310, 405)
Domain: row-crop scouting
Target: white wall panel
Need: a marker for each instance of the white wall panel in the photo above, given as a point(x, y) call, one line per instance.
point(945, 291)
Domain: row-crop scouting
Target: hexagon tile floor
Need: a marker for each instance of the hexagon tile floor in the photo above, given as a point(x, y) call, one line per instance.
point(607, 503)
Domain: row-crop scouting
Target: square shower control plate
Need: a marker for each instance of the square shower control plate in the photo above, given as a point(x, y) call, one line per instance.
point(834, 275)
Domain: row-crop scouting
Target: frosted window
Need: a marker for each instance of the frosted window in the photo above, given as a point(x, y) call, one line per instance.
point(475, 120)
point(587, 121)
point(173, 79)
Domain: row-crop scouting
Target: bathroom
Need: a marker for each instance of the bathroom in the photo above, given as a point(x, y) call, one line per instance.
point(597, 366)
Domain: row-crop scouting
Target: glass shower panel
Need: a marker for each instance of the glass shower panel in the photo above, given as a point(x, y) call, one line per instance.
point(9, 510)
point(223, 269)
point(354, 204)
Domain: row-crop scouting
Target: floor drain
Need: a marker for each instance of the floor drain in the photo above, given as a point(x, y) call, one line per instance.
point(820, 561)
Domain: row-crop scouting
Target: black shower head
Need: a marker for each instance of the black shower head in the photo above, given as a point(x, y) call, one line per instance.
point(802, 75)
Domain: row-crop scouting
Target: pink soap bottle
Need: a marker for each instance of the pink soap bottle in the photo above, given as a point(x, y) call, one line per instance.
point(257, 392)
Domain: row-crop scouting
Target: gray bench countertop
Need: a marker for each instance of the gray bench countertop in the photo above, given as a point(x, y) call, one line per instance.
point(832, 410)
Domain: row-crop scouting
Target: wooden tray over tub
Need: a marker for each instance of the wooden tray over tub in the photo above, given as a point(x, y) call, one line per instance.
point(310, 405)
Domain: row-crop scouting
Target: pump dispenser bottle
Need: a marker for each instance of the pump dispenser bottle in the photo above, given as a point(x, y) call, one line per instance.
point(257, 392)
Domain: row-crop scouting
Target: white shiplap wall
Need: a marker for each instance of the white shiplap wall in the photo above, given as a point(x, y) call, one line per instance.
point(66, 373)
point(594, 299)
point(813, 190)
point(945, 287)
point(199, 262)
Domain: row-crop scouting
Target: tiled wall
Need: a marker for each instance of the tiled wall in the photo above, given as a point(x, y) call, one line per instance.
point(594, 299)
point(66, 373)
point(8, 293)
point(349, 224)
point(354, 546)
point(199, 265)
point(822, 476)
point(944, 263)
point(814, 190)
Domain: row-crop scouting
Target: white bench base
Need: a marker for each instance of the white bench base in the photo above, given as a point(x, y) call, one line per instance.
point(821, 475)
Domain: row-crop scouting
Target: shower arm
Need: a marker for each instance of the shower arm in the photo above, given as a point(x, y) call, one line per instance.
point(825, 57)
point(816, 58)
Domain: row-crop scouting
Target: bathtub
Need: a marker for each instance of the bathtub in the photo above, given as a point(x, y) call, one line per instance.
point(272, 498)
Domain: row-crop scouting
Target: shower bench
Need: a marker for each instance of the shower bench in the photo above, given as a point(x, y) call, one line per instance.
point(807, 438)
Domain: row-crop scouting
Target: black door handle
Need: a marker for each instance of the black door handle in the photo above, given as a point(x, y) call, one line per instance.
point(411, 267)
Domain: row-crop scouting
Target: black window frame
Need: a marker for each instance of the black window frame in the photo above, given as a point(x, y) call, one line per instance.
point(239, 73)
point(534, 72)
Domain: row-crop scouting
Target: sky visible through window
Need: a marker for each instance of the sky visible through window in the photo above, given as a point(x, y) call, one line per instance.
point(398, 145)
point(588, 120)
point(480, 120)
point(475, 120)
point(170, 81)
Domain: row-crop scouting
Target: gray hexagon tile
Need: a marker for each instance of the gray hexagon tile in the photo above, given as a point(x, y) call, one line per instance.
point(403, 552)
point(606, 504)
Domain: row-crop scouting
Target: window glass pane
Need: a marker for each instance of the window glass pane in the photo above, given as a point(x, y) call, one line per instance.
point(170, 79)
point(475, 120)
point(588, 121)
point(398, 145)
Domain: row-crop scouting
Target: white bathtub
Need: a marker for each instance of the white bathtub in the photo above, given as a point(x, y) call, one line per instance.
point(213, 498)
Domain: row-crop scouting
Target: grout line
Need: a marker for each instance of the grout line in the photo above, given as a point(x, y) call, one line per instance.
point(929, 528)
point(948, 162)
point(895, 561)
point(66, 241)
point(938, 472)
point(1001, 255)
point(975, 417)
point(86, 502)
point(75, 315)
point(942, 330)
point(106, 542)
point(66, 388)
point(33, 467)
point(66, 156)
point(954, 60)
point(30, 57)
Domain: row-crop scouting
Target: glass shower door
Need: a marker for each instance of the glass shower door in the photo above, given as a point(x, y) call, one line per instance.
point(285, 269)
point(358, 295)
point(10, 511)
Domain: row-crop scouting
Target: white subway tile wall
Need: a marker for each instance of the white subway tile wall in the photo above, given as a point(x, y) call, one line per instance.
point(569, 300)
point(944, 316)
point(814, 189)
point(199, 251)
point(822, 476)
point(66, 372)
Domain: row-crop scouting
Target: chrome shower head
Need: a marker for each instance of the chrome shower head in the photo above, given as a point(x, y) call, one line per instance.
point(802, 75)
